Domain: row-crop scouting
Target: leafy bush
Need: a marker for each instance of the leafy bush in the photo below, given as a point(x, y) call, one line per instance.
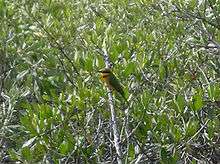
point(55, 109)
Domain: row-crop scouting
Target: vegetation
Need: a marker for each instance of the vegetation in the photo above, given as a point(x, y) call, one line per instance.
point(54, 109)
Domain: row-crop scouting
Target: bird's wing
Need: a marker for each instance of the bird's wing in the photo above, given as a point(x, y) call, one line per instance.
point(116, 84)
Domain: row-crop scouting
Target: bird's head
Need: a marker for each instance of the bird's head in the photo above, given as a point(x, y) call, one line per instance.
point(105, 73)
point(105, 70)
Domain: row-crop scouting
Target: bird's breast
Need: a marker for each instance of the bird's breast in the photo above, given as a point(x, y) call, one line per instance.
point(104, 76)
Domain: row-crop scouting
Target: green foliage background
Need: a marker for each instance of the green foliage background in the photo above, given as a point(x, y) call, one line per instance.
point(54, 107)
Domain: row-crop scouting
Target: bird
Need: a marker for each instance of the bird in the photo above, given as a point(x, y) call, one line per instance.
point(111, 81)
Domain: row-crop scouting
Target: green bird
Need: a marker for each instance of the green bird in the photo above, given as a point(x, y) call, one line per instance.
point(112, 81)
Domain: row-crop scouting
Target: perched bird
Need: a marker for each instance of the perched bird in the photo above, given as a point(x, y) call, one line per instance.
point(111, 81)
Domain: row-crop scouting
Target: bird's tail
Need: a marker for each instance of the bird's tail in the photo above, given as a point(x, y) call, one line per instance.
point(124, 97)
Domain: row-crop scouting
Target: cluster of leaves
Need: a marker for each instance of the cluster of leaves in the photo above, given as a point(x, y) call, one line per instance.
point(54, 108)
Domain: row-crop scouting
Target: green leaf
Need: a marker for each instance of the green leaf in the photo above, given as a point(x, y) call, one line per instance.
point(214, 91)
point(191, 129)
point(131, 152)
point(164, 154)
point(38, 152)
point(26, 153)
point(166, 157)
point(162, 71)
point(129, 69)
point(211, 91)
point(27, 123)
point(180, 102)
point(198, 101)
point(14, 155)
point(64, 147)
point(89, 64)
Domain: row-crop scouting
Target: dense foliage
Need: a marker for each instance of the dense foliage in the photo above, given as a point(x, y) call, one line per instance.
point(53, 107)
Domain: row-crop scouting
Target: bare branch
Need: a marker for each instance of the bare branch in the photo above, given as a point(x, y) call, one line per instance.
point(112, 109)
